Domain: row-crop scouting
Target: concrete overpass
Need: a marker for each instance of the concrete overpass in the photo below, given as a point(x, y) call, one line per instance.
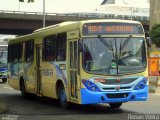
point(19, 22)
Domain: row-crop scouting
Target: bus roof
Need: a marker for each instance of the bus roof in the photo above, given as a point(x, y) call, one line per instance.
point(110, 20)
point(70, 25)
point(54, 26)
point(84, 21)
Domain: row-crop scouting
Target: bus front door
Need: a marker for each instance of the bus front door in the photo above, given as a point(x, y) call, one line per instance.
point(38, 69)
point(73, 72)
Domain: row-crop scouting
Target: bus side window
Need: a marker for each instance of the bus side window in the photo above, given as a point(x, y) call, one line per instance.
point(15, 49)
point(20, 51)
point(29, 51)
point(49, 44)
point(15, 53)
point(61, 47)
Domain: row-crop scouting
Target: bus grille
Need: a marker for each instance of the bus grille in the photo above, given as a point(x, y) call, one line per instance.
point(122, 81)
point(113, 88)
point(118, 95)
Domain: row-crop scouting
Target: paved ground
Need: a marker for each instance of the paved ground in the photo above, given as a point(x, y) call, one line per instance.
point(12, 105)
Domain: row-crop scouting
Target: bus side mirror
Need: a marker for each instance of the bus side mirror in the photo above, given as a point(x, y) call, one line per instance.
point(148, 41)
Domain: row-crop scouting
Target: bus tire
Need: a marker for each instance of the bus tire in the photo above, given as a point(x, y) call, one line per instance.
point(23, 89)
point(4, 80)
point(115, 105)
point(62, 97)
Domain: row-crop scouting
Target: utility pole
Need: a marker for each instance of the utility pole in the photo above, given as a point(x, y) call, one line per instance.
point(131, 12)
point(131, 9)
point(44, 13)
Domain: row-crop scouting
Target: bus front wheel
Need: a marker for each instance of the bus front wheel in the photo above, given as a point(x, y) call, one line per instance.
point(115, 105)
point(4, 80)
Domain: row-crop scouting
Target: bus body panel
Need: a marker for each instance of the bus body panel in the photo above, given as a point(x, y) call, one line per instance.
point(21, 70)
point(13, 75)
point(50, 74)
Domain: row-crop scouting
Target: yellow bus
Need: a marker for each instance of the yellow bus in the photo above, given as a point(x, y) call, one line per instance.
point(83, 62)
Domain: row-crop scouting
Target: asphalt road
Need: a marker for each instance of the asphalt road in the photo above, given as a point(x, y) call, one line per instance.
point(14, 107)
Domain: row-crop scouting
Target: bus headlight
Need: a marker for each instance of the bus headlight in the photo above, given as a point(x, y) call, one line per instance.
point(141, 84)
point(90, 86)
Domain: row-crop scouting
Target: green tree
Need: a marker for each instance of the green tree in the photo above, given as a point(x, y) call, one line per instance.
point(155, 34)
point(21, 0)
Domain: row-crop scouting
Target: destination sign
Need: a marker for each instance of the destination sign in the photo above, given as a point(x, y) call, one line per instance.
point(111, 28)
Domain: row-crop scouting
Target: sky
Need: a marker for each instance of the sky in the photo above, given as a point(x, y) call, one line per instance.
point(52, 6)
point(56, 6)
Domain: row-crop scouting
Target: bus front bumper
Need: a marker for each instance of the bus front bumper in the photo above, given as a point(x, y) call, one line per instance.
point(92, 97)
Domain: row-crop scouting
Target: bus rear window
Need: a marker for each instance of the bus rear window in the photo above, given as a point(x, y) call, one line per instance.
point(111, 28)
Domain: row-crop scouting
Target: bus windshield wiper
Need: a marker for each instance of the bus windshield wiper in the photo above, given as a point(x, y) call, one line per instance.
point(124, 44)
point(110, 46)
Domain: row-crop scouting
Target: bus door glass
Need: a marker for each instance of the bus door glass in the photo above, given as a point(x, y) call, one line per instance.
point(38, 68)
point(73, 73)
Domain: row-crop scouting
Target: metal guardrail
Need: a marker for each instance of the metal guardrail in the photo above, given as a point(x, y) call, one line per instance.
point(24, 12)
point(80, 15)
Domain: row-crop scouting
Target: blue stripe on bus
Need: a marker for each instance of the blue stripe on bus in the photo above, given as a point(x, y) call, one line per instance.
point(15, 68)
point(59, 73)
point(91, 97)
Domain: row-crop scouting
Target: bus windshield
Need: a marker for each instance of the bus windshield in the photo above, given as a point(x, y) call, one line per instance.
point(112, 56)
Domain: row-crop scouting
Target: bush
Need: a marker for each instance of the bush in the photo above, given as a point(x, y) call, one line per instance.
point(155, 35)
